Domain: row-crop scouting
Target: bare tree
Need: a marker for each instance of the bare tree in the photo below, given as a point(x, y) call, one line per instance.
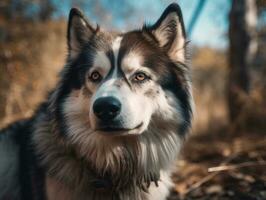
point(243, 45)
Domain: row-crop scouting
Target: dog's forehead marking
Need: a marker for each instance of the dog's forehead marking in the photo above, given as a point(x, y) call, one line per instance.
point(116, 47)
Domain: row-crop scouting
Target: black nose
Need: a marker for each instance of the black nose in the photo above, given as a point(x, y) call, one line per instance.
point(106, 108)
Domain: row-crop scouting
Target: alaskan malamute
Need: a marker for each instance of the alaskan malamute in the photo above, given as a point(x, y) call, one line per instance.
point(113, 126)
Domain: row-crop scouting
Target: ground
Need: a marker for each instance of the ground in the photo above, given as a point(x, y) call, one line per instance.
point(236, 165)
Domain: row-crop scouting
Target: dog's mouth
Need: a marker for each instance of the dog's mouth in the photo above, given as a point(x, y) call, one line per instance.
point(118, 131)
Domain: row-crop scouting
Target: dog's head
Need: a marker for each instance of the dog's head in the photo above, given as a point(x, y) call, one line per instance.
point(119, 83)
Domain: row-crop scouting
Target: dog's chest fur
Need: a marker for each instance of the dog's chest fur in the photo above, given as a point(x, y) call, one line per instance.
point(57, 191)
point(76, 176)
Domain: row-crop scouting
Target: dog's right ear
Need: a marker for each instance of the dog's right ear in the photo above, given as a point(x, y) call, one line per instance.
point(79, 31)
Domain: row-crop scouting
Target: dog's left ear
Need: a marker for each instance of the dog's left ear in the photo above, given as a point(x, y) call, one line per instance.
point(79, 31)
point(170, 32)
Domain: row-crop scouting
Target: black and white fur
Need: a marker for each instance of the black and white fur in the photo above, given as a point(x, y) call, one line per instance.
point(65, 151)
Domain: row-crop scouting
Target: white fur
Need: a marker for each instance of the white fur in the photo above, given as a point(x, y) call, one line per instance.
point(162, 191)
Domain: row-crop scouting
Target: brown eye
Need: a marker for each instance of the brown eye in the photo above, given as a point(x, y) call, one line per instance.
point(95, 77)
point(140, 77)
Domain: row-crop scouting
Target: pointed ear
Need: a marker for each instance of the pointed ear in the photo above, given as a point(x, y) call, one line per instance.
point(79, 31)
point(170, 32)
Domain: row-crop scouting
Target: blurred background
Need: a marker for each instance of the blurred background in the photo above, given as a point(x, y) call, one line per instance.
point(225, 155)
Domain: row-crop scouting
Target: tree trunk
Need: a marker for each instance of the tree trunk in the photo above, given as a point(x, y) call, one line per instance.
point(243, 46)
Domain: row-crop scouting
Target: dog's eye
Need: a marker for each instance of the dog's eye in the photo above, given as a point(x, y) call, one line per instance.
point(95, 76)
point(140, 77)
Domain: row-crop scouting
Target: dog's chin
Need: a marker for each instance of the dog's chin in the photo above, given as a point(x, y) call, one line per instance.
point(121, 131)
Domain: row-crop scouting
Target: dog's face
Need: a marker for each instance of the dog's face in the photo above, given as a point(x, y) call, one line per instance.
point(120, 83)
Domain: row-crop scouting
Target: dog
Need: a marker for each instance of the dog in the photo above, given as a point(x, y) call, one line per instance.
point(114, 124)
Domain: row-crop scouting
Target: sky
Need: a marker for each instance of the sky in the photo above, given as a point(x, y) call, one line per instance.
point(212, 25)
point(210, 29)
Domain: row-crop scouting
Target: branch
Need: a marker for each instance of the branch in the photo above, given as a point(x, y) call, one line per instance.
point(233, 167)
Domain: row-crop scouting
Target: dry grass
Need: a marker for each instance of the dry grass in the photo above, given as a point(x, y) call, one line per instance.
point(242, 159)
point(31, 55)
